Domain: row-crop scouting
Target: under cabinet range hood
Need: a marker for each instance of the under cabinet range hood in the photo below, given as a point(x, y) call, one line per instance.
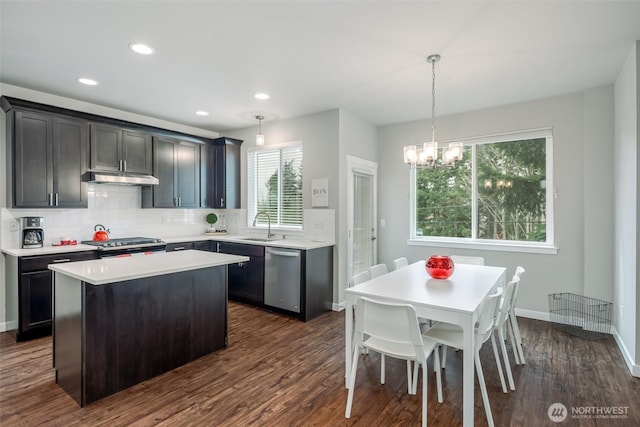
point(122, 178)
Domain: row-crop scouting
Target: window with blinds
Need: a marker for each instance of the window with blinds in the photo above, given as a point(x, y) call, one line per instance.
point(275, 186)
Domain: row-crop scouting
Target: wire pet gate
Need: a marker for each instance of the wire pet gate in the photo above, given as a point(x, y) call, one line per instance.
point(585, 317)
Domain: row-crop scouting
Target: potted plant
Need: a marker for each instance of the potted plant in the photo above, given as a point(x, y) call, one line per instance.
point(211, 219)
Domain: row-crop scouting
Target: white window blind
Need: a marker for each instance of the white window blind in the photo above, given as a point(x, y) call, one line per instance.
point(275, 186)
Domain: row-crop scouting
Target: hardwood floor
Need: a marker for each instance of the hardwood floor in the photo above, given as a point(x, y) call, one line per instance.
point(279, 371)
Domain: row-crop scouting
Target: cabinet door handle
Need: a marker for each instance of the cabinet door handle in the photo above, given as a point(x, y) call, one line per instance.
point(179, 248)
point(61, 260)
point(124, 166)
point(222, 202)
point(241, 264)
point(57, 199)
point(218, 247)
point(120, 165)
point(179, 201)
point(50, 196)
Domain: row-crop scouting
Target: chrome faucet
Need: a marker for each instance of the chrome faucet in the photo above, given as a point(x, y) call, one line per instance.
point(269, 235)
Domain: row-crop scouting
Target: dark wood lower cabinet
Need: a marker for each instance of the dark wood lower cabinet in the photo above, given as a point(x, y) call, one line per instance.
point(29, 292)
point(246, 279)
point(110, 337)
point(35, 301)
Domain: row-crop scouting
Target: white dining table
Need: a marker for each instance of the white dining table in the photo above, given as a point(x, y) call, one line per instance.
point(454, 300)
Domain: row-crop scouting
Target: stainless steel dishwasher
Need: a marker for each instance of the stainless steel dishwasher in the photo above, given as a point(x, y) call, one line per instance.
point(282, 278)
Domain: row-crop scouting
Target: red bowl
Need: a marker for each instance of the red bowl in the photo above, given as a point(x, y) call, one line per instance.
point(439, 266)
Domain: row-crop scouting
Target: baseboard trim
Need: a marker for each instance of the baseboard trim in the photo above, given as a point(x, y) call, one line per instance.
point(531, 314)
point(633, 367)
point(8, 326)
point(337, 306)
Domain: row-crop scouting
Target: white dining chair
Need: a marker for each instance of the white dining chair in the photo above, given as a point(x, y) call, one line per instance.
point(392, 330)
point(378, 270)
point(499, 329)
point(361, 277)
point(400, 262)
point(461, 259)
point(452, 335)
point(465, 259)
point(516, 337)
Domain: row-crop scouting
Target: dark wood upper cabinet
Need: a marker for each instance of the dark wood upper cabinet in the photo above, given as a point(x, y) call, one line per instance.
point(50, 156)
point(176, 164)
point(221, 173)
point(70, 162)
point(115, 149)
point(50, 150)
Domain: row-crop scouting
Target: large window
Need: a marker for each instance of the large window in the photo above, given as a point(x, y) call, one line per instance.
point(275, 186)
point(499, 193)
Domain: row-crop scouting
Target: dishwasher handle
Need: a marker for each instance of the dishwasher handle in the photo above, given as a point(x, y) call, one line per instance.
point(282, 253)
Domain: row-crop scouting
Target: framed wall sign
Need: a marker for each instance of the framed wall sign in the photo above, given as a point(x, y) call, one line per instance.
point(319, 193)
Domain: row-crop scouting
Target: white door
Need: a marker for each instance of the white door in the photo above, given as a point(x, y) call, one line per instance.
point(362, 211)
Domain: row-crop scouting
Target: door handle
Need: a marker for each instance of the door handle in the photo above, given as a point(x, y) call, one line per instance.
point(373, 237)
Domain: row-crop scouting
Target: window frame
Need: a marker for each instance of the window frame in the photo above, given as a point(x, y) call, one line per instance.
point(252, 205)
point(547, 247)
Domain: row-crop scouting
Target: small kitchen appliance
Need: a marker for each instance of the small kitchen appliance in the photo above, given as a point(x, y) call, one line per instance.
point(31, 232)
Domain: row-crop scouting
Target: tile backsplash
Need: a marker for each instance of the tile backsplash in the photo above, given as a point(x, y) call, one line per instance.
point(118, 209)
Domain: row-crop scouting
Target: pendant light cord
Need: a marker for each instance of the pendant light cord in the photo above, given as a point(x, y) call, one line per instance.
point(433, 97)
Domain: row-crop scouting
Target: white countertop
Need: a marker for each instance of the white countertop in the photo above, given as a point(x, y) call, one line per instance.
point(289, 242)
point(114, 269)
point(48, 250)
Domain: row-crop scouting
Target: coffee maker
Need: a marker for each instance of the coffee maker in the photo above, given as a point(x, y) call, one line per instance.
point(31, 232)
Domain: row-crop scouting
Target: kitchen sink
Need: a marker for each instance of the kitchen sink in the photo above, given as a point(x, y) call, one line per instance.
point(260, 239)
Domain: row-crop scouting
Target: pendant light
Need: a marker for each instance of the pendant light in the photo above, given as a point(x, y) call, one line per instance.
point(427, 154)
point(260, 136)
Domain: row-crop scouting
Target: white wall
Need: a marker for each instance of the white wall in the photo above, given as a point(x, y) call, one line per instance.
point(320, 140)
point(627, 138)
point(546, 274)
point(327, 138)
point(598, 193)
point(357, 138)
point(3, 200)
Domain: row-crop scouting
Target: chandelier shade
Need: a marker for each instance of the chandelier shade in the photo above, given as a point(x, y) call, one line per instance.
point(426, 155)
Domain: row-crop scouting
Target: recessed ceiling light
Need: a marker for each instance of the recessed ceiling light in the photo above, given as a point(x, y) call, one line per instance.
point(202, 113)
point(261, 96)
point(141, 48)
point(88, 82)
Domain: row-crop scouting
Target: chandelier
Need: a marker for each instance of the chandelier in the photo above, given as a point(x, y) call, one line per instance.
point(427, 154)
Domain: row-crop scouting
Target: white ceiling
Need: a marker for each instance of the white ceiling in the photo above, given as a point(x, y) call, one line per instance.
point(367, 57)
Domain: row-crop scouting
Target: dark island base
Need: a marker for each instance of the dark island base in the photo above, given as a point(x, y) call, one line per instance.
point(110, 337)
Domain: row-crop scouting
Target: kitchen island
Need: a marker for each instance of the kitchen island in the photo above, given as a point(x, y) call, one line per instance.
point(120, 321)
